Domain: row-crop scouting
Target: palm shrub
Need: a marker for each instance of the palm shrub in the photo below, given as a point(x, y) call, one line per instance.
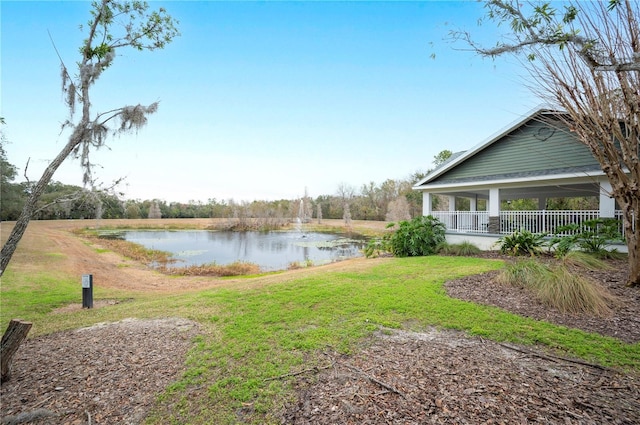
point(521, 242)
point(420, 236)
point(590, 236)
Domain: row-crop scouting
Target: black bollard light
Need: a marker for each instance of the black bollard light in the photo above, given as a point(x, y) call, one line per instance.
point(87, 291)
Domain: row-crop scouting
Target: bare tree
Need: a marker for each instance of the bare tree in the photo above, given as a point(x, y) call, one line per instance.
point(345, 194)
point(398, 210)
point(113, 25)
point(154, 211)
point(585, 60)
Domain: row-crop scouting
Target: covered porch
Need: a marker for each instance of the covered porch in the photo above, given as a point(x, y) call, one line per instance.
point(486, 216)
point(485, 212)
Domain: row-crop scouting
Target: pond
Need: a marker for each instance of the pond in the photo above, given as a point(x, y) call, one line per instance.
point(269, 250)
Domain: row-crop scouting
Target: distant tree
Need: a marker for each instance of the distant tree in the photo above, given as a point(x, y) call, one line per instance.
point(414, 198)
point(370, 194)
point(442, 157)
point(328, 204)
point(8, 171)
point(346, 193)
point(575, 203)
point(398, 210)
point(584, 58)
point(113, 25)
point(132, 210)
point(11, 194)
point(519, 205)
point(154, 211)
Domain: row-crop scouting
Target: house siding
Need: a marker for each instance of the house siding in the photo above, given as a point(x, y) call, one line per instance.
point(535, 148)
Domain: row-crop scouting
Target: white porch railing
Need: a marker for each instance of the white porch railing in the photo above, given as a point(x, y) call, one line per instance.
point(464, 221)
point(545, 222)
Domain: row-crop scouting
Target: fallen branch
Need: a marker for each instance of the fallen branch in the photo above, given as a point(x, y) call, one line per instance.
point(554, 358)
point(376, 381)
point(314, 369)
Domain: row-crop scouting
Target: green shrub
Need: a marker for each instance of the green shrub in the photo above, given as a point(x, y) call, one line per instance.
point(466, 248)
point(446, 248)
point(417, 237)
point(590, 236)
point(521, 242)
point(377, 246)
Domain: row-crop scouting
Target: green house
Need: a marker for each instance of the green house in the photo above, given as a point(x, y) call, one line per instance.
point(536, 158)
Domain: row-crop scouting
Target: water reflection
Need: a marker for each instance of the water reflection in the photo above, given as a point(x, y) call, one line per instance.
point(270, 250)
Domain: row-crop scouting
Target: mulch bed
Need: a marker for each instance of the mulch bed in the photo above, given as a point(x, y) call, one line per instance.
point(447, 378)
point(105, 374)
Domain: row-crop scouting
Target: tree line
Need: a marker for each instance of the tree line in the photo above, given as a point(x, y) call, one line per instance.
point(390, 200)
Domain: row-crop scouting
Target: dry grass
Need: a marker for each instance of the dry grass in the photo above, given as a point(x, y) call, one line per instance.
point(584, 260)
point(572, 293)
point(560, 286)
point(522, 273)
point(238, 268)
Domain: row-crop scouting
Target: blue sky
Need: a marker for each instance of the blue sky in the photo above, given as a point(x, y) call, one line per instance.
point(260, 100)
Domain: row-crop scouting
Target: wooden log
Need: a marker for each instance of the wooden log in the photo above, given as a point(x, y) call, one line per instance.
point(12, 338)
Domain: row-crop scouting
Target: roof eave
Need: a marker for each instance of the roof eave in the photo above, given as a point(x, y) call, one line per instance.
point(551, 179)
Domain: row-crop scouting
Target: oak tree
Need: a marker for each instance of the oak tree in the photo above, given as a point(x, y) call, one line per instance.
point(114, 25)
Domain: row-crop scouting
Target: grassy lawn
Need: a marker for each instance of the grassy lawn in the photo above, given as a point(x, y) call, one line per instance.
point(265, 327)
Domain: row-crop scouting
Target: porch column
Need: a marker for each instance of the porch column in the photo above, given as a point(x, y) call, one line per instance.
point(427, 204)
point(452, 203)
point(473, 204)
point(542, 203)
point(494, 211)
point(607, 202)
